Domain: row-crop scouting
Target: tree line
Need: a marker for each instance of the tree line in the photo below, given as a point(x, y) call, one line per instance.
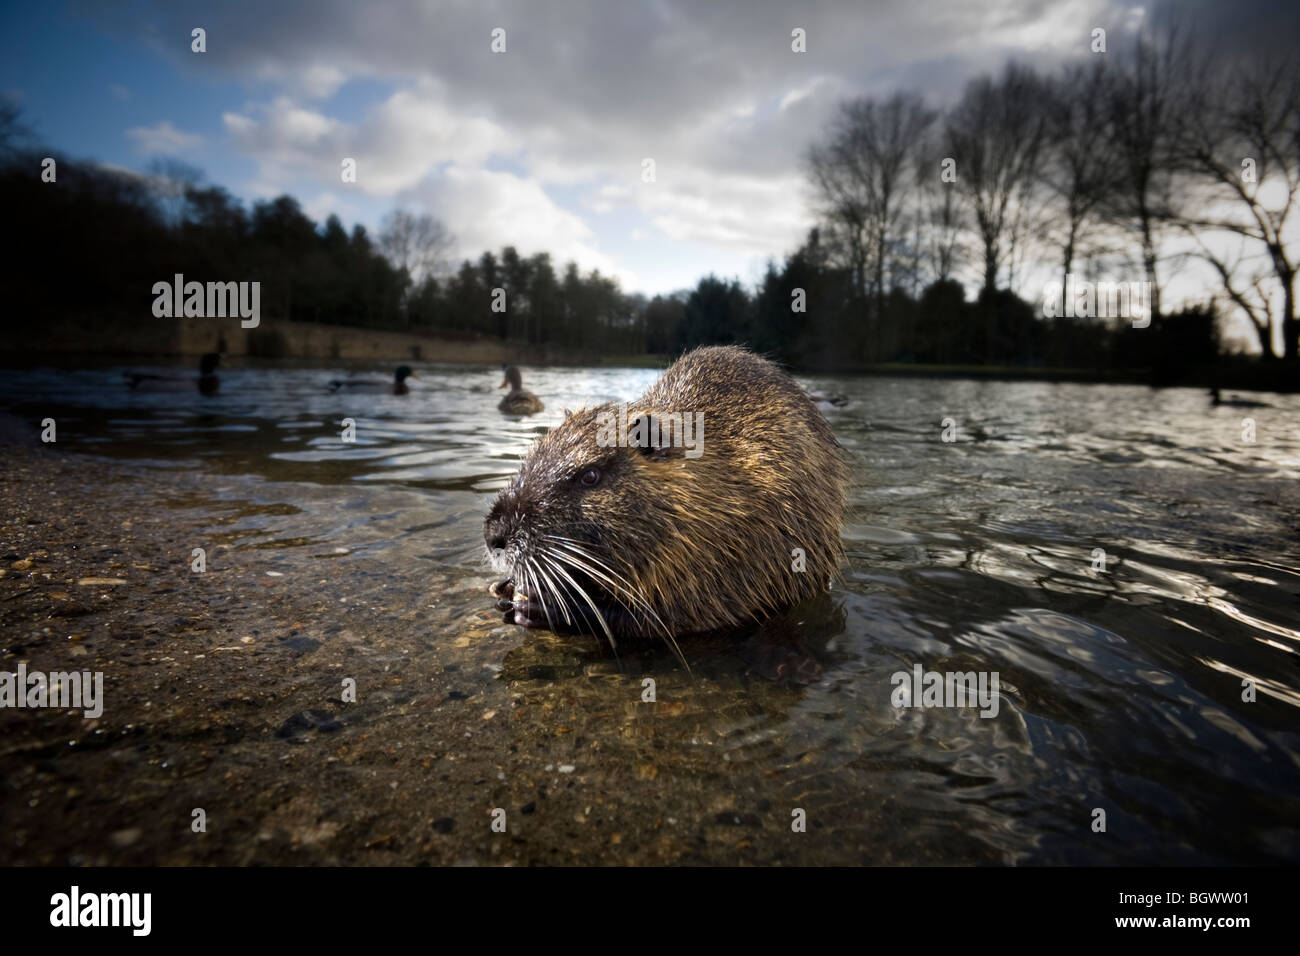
point(97, 239)
point(1127, 164)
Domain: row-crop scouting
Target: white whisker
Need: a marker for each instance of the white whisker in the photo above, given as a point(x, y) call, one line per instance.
point(579, 559)
point(559, 569)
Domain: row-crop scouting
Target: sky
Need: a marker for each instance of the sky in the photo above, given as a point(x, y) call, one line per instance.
point(541, 146)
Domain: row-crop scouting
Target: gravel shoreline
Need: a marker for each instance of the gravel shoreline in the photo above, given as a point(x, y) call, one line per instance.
point(223, 694)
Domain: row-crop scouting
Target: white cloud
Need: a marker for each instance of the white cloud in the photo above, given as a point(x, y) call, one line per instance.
point(486, 209)
point(802, 92)
point(607, 197)
point(414, 146)
point(754, 215)
point(397, 145)
point(326, 203)
point(321, 82)
point(163, 139)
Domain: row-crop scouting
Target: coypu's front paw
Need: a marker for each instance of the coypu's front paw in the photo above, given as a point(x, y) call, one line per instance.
point(519, 608)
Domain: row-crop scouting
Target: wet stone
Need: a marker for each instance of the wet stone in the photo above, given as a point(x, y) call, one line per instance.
point(304, 645)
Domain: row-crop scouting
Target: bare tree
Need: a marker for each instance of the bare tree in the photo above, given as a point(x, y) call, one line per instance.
point(170, 182)
point(942, 216)
point(1243, 286)
point(1079, 170)
point(1146, 106)
point(13, 131)
point(1242, 140)
point(995, 133)
point(843, 202)
point(863, 177)
point(419, 244)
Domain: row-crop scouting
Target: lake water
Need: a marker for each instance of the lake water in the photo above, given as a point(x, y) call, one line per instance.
point(1119, 689)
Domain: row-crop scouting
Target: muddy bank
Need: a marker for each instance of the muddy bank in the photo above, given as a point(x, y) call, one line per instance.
point(223, 693)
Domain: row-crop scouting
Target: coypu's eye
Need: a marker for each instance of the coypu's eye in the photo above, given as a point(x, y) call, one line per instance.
point(590, 477)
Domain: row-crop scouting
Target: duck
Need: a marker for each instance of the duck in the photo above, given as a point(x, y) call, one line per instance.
point(396, 387)
point(1216, 401)
point(518, 402)
point(209, 383)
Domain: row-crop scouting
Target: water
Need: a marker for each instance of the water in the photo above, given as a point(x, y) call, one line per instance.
point(1120, 689)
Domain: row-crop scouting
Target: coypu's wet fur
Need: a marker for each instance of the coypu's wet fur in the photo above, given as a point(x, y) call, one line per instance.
point(661, 544)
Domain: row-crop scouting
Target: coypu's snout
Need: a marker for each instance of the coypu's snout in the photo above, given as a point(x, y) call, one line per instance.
point(497, 536)
point(507, 539)
point(497, 532)
point(505, 530)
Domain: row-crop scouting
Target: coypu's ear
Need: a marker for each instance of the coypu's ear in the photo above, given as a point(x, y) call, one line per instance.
point(652, 437)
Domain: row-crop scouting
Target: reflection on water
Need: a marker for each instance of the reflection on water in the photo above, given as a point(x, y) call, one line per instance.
point(1121, 557)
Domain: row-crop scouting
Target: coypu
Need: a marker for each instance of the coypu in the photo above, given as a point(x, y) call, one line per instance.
point(665, 540)
point(518, 401)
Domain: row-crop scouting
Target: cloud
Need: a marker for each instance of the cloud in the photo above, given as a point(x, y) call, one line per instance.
point(163, 139)
point(395, 146)
point(757, 216)
point(608, 197)
point(586, 90)
point(488, 209)
point(320, 81)
point(801, 92)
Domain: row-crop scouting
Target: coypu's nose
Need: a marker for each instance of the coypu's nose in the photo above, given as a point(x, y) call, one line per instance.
point(499, 525)
point(494, 532)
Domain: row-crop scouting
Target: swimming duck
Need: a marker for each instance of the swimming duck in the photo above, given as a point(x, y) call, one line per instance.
point(396, 387)
point(518, 402)
point(209, 383)
point(1234, 402)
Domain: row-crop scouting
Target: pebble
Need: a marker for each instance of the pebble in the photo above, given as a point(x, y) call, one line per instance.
point(124, 838)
